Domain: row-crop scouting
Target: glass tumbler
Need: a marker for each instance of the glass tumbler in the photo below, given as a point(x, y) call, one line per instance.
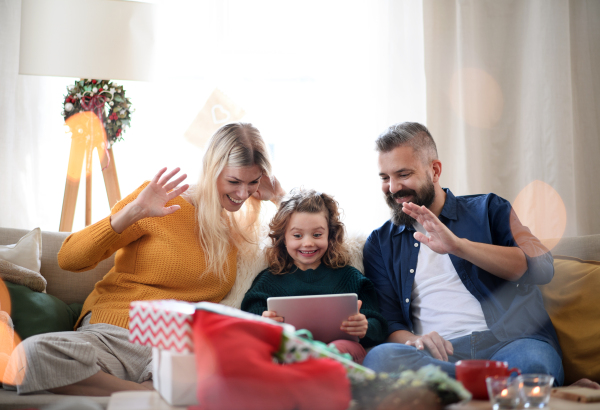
point(503, 392)
point(534, 390)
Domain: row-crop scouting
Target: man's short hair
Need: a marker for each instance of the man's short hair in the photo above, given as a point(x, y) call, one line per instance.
point(412, 134)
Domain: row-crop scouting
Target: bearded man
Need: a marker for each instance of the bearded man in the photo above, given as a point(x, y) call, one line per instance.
point(456, 276)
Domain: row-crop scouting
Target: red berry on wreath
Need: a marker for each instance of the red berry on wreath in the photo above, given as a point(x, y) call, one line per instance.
point(94, 81)
point(100, 90)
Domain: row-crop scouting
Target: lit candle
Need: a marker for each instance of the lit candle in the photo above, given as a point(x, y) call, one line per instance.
point(537, 398)
point(505, 400)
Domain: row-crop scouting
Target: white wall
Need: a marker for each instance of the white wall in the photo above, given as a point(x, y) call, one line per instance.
point(320, 80)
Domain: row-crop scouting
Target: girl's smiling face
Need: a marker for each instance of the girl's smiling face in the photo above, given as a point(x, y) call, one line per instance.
point(306, 239)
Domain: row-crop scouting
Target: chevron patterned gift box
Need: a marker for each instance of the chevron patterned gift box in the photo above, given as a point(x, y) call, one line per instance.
point(166, 324)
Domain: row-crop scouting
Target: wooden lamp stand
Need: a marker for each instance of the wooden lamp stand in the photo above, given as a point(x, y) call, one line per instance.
point(87, 134)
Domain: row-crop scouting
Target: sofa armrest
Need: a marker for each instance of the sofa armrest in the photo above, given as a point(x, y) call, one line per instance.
point(581, 247)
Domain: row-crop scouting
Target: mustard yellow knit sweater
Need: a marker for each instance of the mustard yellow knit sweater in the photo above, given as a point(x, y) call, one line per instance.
point(157, 258)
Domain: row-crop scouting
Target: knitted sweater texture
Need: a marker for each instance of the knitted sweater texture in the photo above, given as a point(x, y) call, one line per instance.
point(156, 258)
point(320, 281)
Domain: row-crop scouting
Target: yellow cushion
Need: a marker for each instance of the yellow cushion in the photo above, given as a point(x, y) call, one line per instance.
point(572, 301)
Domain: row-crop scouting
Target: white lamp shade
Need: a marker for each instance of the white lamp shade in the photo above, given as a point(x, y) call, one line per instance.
point(101, 39)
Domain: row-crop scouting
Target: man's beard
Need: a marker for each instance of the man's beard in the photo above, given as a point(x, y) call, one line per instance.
point(425, 196)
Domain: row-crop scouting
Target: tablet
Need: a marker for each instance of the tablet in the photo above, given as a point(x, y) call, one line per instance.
point(322, 315)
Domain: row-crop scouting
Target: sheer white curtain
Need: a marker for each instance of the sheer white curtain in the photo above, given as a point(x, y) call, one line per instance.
point(29, 116)
point(320, 80)
point(513, 100)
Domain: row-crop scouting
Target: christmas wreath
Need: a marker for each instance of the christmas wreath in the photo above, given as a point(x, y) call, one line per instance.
point(95, 95)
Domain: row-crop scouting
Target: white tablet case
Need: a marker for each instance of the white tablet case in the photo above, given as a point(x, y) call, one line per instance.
point(322, 315)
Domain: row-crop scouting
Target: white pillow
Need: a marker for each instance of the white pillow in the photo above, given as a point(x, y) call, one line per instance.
point(26, 253)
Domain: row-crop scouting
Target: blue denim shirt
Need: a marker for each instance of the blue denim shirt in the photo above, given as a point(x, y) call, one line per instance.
point(512, 309)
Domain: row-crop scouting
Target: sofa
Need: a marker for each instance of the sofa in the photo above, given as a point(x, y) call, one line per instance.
point(570, 299)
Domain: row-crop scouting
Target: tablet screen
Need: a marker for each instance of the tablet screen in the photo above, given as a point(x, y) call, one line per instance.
point(322, 315)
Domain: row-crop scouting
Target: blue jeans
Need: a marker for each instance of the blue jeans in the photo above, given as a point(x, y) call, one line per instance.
point(527, 354)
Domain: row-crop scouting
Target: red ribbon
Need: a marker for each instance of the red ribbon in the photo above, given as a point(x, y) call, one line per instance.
point(94, 104)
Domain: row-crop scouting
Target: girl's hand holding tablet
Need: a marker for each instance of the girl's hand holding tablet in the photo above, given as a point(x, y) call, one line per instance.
point(356, 325)
point(272, 315)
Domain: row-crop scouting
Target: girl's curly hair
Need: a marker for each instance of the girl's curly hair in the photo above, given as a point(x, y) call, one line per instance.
point(310, 201)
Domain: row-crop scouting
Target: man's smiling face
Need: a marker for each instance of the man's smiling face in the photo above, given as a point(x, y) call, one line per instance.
point(405, 178)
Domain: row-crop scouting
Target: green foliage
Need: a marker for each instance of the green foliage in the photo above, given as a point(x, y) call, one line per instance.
point(378, 389)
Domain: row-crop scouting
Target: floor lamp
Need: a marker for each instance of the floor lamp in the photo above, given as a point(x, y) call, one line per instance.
point(93, 39)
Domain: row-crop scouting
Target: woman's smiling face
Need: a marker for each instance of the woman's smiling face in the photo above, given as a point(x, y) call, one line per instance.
point(236, 184)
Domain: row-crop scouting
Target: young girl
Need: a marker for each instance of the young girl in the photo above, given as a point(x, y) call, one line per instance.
point(308, 257)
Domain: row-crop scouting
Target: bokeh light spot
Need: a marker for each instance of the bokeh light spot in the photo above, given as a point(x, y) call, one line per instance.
point(87, 133)
point(13, 371)
point(8, 337)
point(5, 303)
point(476, 97)
point(542, 210)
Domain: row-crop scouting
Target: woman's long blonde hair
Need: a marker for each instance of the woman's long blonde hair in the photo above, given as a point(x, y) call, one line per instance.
point(233, 145)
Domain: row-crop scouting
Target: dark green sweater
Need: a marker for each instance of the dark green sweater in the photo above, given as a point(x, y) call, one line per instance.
point(320, 281)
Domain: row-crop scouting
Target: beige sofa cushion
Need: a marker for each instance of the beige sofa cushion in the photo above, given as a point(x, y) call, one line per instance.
point(26, 252)
point(20, 262)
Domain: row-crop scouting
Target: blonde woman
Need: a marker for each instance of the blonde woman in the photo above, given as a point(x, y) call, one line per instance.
point(171, 242)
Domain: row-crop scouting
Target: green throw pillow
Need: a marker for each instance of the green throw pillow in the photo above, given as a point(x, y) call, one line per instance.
point(33, 313)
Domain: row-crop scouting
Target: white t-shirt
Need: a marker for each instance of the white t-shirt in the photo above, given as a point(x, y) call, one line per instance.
point(440, 301)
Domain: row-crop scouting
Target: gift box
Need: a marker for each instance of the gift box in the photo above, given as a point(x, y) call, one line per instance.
point(174, 376)
point(165, 324)
point(297, 346)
